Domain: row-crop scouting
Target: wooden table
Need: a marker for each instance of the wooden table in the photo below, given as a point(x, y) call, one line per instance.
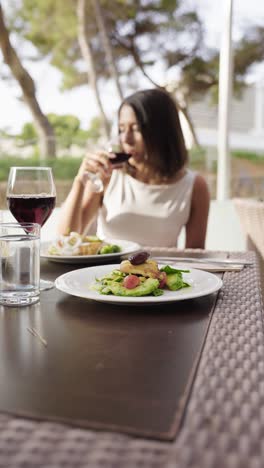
point(223, 417)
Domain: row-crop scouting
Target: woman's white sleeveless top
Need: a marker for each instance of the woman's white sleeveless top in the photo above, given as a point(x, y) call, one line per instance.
point(148, 214)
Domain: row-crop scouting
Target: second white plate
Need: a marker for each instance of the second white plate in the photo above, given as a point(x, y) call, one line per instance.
point(78, 283)
point(127, 247)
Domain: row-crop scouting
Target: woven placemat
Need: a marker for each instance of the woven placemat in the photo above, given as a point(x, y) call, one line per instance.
point(224, 421)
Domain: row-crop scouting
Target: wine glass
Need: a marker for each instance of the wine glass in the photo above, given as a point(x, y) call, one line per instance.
point(114, 147)
point(31, 198)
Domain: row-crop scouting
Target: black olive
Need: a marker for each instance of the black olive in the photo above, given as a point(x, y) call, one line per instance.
point(139, 257)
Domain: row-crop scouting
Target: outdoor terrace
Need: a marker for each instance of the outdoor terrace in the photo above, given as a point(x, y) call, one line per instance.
point(224, 229)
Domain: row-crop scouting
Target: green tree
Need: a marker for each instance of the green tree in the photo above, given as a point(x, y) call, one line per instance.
point(84, 39)
point(67, 130)
point(200, 73)
point(28, 133)
point(106, 43)
point(27, 85)
point(94, 132)
point(136, 35)
point(141, 35)
point(66, 127)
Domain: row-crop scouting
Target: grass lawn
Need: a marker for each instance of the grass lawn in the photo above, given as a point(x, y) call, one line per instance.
point(63, 168)
point(247, 172)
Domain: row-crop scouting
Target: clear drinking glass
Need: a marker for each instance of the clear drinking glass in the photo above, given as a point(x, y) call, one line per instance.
point(19, 263)
point(31, 197)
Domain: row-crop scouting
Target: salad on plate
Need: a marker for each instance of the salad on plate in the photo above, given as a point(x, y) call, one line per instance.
point(140, 276)
point(77, 244)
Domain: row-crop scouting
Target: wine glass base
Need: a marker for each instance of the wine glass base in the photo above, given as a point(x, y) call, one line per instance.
point(97, 185)
point(45, 285)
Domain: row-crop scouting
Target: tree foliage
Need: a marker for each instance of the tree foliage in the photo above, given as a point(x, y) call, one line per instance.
point(28, 89)
point(143, 35)
point(67, 129)
point(200, 73)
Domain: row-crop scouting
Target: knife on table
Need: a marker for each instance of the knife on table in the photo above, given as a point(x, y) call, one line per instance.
point(202, 260)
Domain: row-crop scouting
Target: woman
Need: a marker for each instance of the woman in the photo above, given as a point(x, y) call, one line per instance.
point(150, 198)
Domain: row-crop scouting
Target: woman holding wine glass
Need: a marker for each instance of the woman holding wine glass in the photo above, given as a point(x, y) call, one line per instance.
point(151, 196)
point(31, 197)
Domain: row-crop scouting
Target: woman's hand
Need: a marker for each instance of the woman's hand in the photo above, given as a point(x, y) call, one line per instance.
point(95, 163)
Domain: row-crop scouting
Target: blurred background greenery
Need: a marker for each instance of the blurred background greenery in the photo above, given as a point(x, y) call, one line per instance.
point(113, 48)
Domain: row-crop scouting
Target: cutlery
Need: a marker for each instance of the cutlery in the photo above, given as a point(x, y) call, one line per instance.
point(215, 261)
point(213, 267)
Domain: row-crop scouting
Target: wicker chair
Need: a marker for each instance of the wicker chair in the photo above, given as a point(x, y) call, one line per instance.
point(251, 215)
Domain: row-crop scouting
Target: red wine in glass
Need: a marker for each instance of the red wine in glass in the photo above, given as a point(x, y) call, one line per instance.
point(31, 209)
point(31, 197)
point(115, 147)
point(120, 158)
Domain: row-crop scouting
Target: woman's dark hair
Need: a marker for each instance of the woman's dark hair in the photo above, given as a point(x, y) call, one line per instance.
point(159, 122)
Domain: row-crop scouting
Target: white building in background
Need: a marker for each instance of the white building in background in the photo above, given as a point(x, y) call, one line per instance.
point(246, 120)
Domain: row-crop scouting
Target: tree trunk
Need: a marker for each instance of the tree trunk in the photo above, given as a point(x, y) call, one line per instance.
point(43, 127)
point(107, 46)
point(88, 57)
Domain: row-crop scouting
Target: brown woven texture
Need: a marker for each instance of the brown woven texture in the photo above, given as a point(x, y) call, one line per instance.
point(224, 421)
point(251, 215)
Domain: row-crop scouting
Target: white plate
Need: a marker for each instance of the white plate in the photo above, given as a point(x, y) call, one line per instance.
point(78, 284)
point(127, 247)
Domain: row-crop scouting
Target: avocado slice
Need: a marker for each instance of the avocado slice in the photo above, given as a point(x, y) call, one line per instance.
point(143, 289)
point(174, 282)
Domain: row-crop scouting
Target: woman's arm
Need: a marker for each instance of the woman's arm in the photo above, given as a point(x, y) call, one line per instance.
point(82, 204)
point(197, 223)
point(79, 208)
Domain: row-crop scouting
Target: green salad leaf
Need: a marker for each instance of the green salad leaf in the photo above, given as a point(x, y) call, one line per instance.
point(112, 283)
point(169, 270)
